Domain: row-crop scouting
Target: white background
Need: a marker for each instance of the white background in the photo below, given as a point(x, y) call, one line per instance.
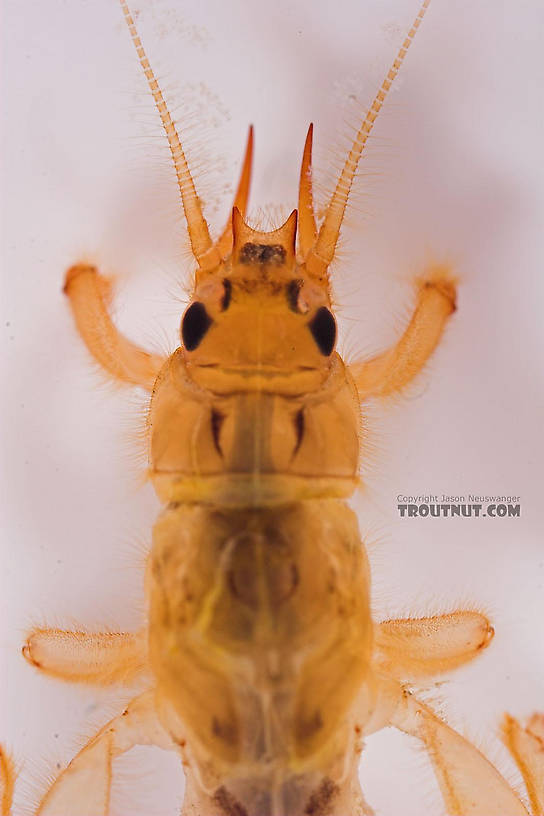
point(453, 171)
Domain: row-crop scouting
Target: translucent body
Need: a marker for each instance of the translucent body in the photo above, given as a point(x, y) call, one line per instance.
point(263, 667)
point(253, 447)
point(260, 639)
point(260, 635)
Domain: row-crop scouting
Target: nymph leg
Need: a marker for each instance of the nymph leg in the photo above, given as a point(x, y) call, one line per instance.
point(102, 658)
point(83, 788)
point(89, 295)
point(7, 782)
point(392, 370)
point(527, 747)
point(469, 783)
point(411, 649)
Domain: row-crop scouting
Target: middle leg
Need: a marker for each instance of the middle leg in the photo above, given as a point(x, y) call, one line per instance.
point(102, 658)
point(412, 649)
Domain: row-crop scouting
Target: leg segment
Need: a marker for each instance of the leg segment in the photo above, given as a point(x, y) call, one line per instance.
point(83, 788)
point(527, 747)
point(89, 295)
point(79, 657)
point(7, 782)
point(417, 648)
point(392, 370)
point(469, 783)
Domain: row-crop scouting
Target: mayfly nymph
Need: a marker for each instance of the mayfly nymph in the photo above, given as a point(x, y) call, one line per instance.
point(266, 668)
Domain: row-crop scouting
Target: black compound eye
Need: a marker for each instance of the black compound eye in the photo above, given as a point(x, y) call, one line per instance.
point(195, 324)
point(323, 328)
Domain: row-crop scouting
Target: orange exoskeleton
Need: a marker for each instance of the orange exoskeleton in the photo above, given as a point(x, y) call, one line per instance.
point(265, 669)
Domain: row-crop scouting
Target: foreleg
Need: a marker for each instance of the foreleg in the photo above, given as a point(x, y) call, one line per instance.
point(389, 372)
point(89, 294)
point(102, 658)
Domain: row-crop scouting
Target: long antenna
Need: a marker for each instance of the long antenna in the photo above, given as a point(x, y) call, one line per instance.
point(322, 253)
point(206, 254)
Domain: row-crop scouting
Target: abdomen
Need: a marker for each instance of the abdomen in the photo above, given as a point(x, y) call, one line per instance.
point(260, 639)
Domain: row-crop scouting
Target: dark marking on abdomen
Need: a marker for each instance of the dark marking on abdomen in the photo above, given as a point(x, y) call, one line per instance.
point(320, 802)
point(228, 804)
